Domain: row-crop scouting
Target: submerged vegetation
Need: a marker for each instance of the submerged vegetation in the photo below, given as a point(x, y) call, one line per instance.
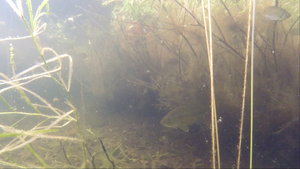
point(147, 57)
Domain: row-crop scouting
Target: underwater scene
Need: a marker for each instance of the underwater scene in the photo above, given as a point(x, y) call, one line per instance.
point(149, 83)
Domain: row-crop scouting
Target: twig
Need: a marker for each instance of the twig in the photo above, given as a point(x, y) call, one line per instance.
point(274, 49)
point(286, 126)
point(93, 160)
point(92, 156)
point(113, 164)
point(65, 154)
point(286, 36)
point(166, 46)
point(189, 44)
point(214, 35)
point(88, 149)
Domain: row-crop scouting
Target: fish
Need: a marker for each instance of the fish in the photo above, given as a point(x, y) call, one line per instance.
point(184, 116)
point(273, 13)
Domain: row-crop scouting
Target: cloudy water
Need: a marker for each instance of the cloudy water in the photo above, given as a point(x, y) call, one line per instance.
point(127, 84)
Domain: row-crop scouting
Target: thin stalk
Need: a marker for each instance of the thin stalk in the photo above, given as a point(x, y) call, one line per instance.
point(214, 128)
point(79, 128)
point(92, 156)
point(103, 147)
point(273, 46)
point(212, 117)
point(65, 154)
point(252, 79)
point(213, 104)
point(10, 159)
point(35, 42)
point(7, 104)
point(12, 59)
point(36, 156)
point(82, 104)
point(11, 165)
point(244, 89)
point(93, 160)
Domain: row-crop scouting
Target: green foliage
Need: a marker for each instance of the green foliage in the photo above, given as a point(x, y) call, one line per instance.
point(134, 10)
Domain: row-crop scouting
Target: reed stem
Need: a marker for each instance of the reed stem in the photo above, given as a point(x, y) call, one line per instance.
point(244, 89)
point(252, 79)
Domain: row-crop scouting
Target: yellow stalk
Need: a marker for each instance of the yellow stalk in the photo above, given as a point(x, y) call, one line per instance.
point(214, 126)
point(252, 76)
point(244, 89)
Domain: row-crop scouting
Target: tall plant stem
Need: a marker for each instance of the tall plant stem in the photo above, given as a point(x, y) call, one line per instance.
point(244, 89)
point(252, 72)
point(214, 126)
point(35, 42)
point(212, 119)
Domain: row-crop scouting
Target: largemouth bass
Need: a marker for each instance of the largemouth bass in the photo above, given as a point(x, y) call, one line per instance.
point(184, 116)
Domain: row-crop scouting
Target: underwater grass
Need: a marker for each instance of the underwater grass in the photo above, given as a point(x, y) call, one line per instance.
point(20, 138)
point(171, 33)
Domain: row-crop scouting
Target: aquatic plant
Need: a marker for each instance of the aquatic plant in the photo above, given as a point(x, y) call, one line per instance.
point(182, 51)
point(43, 117)
point(169, 44)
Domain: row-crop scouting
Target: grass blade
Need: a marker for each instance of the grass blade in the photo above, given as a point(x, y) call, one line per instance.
point(38, 11)
point(30, 14)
